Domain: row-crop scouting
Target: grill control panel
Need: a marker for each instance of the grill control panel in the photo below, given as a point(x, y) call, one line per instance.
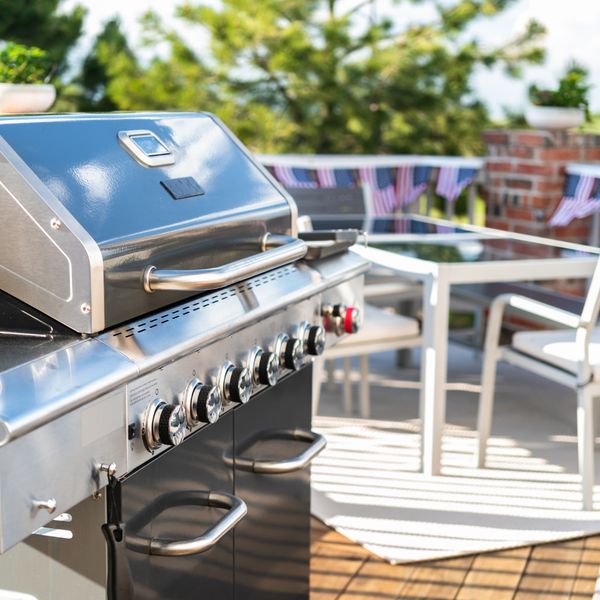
point(168, 404)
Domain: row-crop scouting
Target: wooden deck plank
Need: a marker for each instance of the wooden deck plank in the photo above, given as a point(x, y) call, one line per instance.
point(437, 580)
point(334, 561)
point(329, 576)
point(343, 570)
point(587, 571)
point(377, 580)
point(494, 576)
point(551, 571)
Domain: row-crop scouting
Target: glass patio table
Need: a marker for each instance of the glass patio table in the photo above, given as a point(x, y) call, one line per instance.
point(440, 254)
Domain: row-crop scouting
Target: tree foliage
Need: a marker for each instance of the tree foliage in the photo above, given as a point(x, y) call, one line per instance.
point(40, 23)
point(323, 75)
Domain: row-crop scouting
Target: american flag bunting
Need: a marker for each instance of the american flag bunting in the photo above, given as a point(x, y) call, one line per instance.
point(381, 183)
point(452, 181)
point(411, 182)
point(294, 177)
point(335, 178)
point(577, 200)
point(593, 202)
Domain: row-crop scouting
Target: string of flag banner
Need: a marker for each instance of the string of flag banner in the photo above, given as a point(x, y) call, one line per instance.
point(391, 187)
point(581, 198)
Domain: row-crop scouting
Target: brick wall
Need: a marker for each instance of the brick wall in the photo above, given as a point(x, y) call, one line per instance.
point(524, 178)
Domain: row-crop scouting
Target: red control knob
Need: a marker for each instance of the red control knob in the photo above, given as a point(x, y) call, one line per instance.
point(351, 319)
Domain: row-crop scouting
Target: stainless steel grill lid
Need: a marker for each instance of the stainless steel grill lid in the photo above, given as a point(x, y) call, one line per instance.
point(102, 213)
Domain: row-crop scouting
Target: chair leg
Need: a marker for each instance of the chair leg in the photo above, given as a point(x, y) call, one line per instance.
point(486, 405)
point(596, 421)
point(365, 401)
point(347, 384)
point(330, 374)
point(317, 381)
point(585, 445)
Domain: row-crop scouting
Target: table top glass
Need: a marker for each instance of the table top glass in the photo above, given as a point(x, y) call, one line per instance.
point(380, 225)
point(445, 242)
point(489, 249)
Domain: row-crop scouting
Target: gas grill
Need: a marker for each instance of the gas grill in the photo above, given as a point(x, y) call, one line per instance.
point(158, 315)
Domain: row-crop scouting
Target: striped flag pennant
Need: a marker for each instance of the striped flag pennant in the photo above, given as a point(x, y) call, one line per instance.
point(411, 182)
point(452, 181)
point(294, 177)
point(592, 204)
point(381, 183)
point(335, 178)
point(576, 200)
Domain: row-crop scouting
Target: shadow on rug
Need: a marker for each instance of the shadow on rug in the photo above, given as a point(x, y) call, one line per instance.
point(366, 485)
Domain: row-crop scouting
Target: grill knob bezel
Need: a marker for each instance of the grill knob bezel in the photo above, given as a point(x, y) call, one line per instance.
point(235, 383)
point(203, 402)
point(314, 338)
point(163, 424)
point(290, 352)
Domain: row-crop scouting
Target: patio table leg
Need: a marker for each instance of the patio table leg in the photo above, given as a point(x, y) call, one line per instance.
point(436, 300)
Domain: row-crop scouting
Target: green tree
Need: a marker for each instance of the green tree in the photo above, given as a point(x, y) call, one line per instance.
point(323, 76)
point(40, 23)
point(113, 78)
point(110, 55)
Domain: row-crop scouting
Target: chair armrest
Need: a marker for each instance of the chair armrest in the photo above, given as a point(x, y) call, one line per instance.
point(535, 307)
point(523, 304)
point(546, 311)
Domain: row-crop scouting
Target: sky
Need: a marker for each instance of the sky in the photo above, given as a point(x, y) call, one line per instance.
point(572, 34)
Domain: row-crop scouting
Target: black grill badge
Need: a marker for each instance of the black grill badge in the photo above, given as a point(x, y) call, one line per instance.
point(182, 187)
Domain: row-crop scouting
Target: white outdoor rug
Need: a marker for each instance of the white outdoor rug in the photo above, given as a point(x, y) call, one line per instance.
point(366, 485)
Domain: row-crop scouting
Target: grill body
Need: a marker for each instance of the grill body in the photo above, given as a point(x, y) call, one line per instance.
point(149, 260)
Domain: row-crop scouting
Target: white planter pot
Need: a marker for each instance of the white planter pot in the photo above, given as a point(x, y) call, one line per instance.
point(554, 117)
point(26, 97)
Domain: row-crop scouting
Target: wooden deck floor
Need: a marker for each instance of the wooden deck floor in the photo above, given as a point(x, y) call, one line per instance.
point(343, 570)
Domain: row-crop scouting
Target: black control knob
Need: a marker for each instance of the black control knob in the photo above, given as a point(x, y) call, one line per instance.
point(315, 340)
point(268, 368)
point(238, 384)
point(293, 354)
point(338, 310)
point(170, 424)
point(205, 403)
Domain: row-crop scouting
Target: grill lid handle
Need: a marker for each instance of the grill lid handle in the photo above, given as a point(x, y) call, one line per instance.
point(277, 250)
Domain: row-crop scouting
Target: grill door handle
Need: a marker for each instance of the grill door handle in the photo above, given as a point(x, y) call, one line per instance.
point(287, 465)
point(277, 250)
point(187, 547)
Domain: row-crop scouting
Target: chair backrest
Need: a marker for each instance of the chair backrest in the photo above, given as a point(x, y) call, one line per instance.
point(591, 307)
point(333, 208)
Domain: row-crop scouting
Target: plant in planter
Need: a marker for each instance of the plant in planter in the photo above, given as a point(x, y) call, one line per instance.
point(24, 75)
point(566, 106)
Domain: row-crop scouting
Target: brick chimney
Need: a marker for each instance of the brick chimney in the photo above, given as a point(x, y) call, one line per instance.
point(524, 178)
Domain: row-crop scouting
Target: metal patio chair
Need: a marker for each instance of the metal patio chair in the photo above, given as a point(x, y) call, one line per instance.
point(570, 357)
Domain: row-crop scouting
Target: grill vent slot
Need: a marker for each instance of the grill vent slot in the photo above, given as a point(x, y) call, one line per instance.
point(204, 302)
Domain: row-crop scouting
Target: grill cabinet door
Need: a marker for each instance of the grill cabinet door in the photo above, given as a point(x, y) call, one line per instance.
point(272, 544)
point(196, 465)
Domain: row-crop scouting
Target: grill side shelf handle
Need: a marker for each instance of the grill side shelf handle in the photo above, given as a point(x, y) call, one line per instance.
point(287, 465)
point(236, 511)
point(277, 250)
